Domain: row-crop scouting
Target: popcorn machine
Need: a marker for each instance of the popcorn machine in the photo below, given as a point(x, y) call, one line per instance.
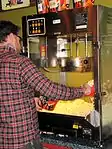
point(72, 47)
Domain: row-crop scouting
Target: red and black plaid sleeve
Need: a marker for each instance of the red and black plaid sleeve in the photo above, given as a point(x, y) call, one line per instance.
point(34, 78)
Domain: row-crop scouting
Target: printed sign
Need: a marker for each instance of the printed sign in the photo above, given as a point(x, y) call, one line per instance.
point(13, 4)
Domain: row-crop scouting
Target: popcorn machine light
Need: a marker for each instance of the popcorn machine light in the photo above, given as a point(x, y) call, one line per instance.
point(65, 47)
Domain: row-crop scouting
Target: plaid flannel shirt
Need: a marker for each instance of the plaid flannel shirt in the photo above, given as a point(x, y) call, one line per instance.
point(19, 79)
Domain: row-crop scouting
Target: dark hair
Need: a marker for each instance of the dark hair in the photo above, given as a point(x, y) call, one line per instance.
point(7, 27)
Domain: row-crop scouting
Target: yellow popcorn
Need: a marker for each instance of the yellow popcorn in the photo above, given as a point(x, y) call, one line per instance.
point(91, 83)
point(76, 107)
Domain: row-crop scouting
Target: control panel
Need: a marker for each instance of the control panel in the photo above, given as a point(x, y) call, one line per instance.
point(81, 21)
point(36, 26)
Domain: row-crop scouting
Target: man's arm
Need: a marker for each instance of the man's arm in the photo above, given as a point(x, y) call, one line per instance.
point(34, 78)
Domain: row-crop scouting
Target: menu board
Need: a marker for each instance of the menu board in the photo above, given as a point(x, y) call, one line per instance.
point(13, 4)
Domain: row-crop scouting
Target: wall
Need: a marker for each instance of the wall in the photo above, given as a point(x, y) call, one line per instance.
point(107, 3)
point(16, 15)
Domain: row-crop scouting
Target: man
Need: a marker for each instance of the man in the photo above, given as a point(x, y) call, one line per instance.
point(19, 80)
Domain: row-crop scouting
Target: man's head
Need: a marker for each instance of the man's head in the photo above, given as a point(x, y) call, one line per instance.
point(9, 34)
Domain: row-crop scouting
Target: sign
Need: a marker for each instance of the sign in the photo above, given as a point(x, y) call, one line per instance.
point(13, 4)
point(89, 3)
point(83, 3)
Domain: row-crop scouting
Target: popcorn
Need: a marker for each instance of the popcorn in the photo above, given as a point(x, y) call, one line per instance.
point(75, 107)
point(89, 88)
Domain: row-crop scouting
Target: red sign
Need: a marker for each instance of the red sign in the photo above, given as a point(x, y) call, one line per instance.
point(89, 3)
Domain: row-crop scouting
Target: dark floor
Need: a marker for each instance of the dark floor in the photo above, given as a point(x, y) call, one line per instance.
point(108, 144)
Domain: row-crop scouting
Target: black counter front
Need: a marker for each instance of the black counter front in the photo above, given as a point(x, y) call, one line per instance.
point(68, 142)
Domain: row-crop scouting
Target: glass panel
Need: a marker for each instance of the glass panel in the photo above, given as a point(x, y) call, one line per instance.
point(33, 50)
point(65, 46)
point(106, 70)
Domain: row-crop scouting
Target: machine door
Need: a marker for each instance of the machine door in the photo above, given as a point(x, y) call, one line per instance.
point(106, 70)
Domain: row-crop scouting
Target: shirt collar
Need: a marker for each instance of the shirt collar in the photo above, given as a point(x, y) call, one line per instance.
point(7, 48)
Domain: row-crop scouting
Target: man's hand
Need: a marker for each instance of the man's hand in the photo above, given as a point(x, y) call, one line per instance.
point(38, 103)
point(89, 89)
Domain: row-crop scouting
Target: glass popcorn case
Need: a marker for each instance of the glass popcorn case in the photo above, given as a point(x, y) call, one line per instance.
point(73, 47)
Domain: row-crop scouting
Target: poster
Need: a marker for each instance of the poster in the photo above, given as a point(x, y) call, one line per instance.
point(13, 4)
